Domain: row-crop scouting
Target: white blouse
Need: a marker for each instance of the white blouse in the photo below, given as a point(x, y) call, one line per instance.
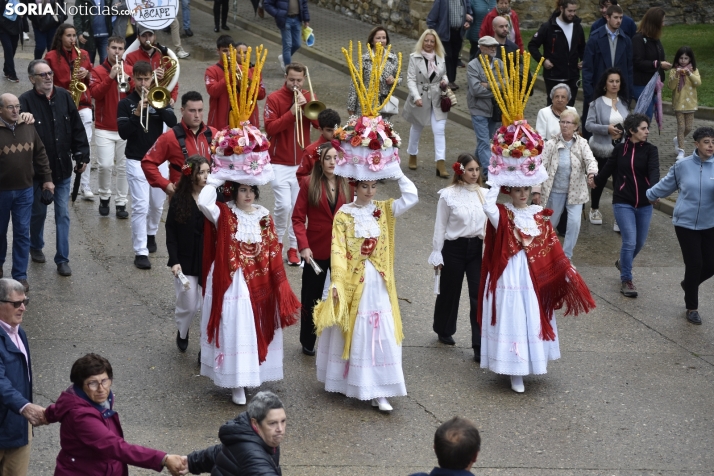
point(459, 214)
point(615, 116)
point(548, 124)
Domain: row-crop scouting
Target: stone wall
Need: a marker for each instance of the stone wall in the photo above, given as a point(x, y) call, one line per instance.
point(409, 16)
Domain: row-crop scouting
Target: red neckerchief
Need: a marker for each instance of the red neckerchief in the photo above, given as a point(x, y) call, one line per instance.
point(555, 281)
point(273, 301)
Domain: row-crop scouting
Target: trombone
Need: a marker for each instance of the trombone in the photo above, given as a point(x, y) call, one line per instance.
point(123, 83)
point(158, 98)
point(314, 107)
point(298, 119)
point(144, 117)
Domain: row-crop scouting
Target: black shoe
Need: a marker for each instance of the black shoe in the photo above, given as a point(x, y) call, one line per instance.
point(12, 79)
point(142, 262)
point(25, 284)
point(448, 340)
point(121, 212)
point(307, 351)
point(151, 243)
point(617, 265)
point(693, 317)
point(225, 27)
point(37, 256)
point(682, 284)
point(477, 354)
point(199, 358)
point(63, 269)
point(104, 207)
point(182, 344)
point(188, 32)
point(215, 30)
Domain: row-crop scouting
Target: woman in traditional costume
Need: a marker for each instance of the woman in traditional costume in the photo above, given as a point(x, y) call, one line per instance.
point(525, 276)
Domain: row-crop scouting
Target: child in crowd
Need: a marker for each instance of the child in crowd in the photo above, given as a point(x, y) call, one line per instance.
point(684, 80)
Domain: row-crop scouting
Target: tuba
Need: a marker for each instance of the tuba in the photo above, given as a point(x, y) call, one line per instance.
point(169, 61)
point(76, 86)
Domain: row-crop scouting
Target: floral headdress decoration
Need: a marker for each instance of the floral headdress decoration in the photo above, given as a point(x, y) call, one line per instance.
point(187, 169)
point(458, 168)
point(243, 95)
point(368, 94)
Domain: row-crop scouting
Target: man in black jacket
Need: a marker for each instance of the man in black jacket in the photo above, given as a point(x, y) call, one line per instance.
point(563, 41)
point(147, 203)
point(250, 444)
point(60, 127)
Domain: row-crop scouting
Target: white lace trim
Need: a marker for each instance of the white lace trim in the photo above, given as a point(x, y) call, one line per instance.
point(366, 225)
point(249, 223)
point(463, 196)
point(524, 218)
point(436, 258)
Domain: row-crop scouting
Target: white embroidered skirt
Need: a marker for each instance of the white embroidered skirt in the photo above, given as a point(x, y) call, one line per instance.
point(512, 346)
point(375, 365)
point(235, 363)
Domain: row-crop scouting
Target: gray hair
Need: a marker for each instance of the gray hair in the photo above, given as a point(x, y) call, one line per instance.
point(9, 286)
point(560, 86)
point(262, 403)
point(33, 63)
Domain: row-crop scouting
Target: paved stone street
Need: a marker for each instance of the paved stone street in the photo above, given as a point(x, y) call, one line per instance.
point(631, 395)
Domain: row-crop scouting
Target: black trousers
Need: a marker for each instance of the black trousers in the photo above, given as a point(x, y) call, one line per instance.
point(218, 14)
point(596, 192)
point(461, 256)
point(310, 294)
point(698, 254)
point(572, 84)
point(586, 134)
point(453, 50)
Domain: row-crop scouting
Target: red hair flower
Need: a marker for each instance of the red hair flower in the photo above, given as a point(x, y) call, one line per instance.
point(186, 170)
point(458, 168)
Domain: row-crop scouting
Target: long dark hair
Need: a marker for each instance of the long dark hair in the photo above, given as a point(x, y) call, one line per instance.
point(465, 159)
point(57, 40)
point(685, 50)
point(318, 178)
point(183, 198)
point(602, 85)
point(651, 23)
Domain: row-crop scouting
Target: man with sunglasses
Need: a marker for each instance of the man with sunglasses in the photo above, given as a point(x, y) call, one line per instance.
point(15, 383)
point(60, 127)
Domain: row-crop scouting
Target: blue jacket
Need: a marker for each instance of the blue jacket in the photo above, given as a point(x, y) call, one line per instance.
point(278, 9)
point(597, 59)
point(438, 18)
point(15, 391)
point(628, 25)
point(694, 179)
point(445, 472)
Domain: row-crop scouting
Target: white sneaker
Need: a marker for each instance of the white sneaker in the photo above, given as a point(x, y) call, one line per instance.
point(680, 154)
point(676, 144)
point(382, 403)
point(25, 37)
point(595, 216)
point(616, 228)
point(282, 64)
point(181, 53)
point(517, 384)
point(238, 396)
point(86, 192)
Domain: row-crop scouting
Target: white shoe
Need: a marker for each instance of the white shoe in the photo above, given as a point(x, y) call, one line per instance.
point(676, 144)
point(517, 384)
point(616, 228)
point(181, 53)
point(382, 403)
point(238, 396)
point(86, 192)
point(25, 37)
point(595, 216)
point(680, 154)
point(282, 64)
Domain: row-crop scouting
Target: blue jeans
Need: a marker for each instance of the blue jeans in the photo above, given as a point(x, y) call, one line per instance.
point(634, 225)
point(558, 202)
point(484, 129)
point(636, 91)
point(100, 45)
point(39, 212)
point(186, 14)
point(292, 38)
point(43, 41)
point(17, 203)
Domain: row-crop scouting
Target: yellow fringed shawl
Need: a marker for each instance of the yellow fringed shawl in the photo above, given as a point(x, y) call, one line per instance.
point(347, 274)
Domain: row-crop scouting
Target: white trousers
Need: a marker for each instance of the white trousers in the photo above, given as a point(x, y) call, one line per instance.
point(286, 188)
point(86, 115)
point(110, 153)
point(439, 138)
point(188, 303)
point(147, 205)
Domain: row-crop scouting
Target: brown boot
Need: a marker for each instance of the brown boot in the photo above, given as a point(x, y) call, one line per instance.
point(441, 169)
point(412, 162)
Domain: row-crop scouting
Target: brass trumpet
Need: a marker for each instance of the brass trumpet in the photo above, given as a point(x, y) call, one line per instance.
point(314, 107)
point(123, 80)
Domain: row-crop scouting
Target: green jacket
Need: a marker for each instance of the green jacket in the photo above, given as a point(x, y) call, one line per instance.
point(83, 23)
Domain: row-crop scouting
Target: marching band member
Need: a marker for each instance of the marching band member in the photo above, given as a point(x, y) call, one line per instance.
point(61, 58)
point(104, 87)
point(190, 137)
point(219, 104)
point(280, 117)
point(148, 52)
point(147, 204)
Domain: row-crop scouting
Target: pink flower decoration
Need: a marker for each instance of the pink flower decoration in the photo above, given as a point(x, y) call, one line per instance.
point(342, 159)
point(254, 163)
point(529, 166)
point(375, 161)
point(496, 165)
point(242, 142)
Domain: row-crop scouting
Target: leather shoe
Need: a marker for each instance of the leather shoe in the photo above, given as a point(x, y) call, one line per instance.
point(188, 32)
point(142, 262)
point(448, 340)
point(182, 344)
point(307, 351)
point(477, 354)
point(25, 284)
point(693, 317)
point(151, 243)
point(104, 207)
point(63, 269)
point(37, 256)
point(121, 212)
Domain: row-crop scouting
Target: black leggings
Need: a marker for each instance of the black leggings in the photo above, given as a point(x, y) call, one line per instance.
point(311, 293)
point(217, 14)
point(596, 192)
point(698, 255)
point(461, 256)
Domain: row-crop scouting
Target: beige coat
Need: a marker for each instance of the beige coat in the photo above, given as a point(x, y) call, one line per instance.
point(421, 88)
point(686, 99)
point(582, 163)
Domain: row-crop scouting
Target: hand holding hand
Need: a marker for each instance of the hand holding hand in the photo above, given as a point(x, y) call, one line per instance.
point(655, 202)
point(591, 181)
point(176, 464)
point(666, 65)
point(35, 414)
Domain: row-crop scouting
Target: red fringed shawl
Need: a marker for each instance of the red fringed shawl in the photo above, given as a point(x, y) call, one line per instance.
point(273, 301)
point(556, 282)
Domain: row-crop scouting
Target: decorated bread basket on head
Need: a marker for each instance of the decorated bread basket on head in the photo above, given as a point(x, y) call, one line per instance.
point(516, 147)
point(368, 146)
point(240, 151)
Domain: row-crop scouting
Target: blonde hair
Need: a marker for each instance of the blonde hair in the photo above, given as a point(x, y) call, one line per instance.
point(438, 49)
point(573, 114)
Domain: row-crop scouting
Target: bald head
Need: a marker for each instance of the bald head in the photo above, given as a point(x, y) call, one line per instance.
point(9, 108)
point(500, 29)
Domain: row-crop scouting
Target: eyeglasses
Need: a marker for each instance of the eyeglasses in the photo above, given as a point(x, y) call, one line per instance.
point(13, 108)
point(17, 304)
point(565, 123)
point(94, 384)
point(46, 75)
